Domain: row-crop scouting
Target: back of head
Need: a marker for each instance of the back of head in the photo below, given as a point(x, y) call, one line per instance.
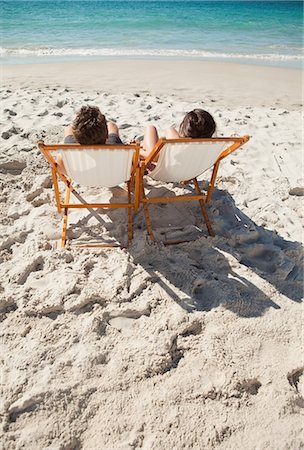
point(90, 126)
point(197, 124)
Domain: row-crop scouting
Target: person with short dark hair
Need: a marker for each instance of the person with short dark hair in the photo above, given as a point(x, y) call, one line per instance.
point(90, 128)
point(196, 124)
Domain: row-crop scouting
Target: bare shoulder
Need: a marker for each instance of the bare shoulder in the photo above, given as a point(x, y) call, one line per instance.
point(68, 130)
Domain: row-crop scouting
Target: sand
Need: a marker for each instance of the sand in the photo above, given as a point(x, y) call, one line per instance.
point(196, 346)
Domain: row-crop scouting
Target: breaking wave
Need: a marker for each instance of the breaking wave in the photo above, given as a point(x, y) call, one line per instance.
point(107, 52)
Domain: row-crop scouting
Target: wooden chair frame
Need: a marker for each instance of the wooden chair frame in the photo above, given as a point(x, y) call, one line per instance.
point(132, 185)
point(202, 199)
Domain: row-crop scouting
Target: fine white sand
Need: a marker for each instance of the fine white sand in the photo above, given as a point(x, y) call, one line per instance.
point(196, 346)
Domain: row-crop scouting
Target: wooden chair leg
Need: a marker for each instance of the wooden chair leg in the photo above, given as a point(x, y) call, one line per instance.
point(65, 217)
point(56, 188)
point(137, 190)
point(147, 215)
point(203, 208)
point(212, 181)
point(130, 224)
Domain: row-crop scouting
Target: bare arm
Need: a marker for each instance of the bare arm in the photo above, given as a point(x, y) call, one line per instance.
point(150, 139)
point(171, 133)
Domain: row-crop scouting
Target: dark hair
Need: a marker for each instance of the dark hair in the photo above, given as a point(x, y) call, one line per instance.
point(90, 126)
point(197, 124)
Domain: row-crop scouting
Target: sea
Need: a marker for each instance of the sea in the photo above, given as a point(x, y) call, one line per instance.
point(258, 32)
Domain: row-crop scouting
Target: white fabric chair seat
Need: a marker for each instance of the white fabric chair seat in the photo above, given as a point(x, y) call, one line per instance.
point(85, 166)
point(186, 160)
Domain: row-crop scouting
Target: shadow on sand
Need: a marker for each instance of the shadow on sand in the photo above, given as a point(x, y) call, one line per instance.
point(205, 273)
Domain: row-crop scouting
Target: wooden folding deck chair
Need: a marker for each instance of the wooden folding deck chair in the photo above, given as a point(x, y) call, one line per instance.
point(94, 166)
point(183, 160)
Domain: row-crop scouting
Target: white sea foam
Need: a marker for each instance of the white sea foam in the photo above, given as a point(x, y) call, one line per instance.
point(287, 47)
point(46, 51)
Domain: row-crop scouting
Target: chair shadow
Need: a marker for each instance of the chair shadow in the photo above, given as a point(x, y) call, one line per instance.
point(201, 284)
point(268, 255)
point(100, 230)
point(272, 257)
point(203, 274)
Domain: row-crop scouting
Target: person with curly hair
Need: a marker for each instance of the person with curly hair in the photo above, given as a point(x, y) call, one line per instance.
point(196, 124)
point(90, 128)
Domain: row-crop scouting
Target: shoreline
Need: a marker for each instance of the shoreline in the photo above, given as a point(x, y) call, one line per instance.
point(228, 82)
point(295, 64)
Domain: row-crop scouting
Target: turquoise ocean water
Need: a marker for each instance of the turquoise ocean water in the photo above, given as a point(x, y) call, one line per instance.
point(244, 31)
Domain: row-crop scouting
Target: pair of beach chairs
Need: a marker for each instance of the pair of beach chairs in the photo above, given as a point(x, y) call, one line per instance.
point(107, 166)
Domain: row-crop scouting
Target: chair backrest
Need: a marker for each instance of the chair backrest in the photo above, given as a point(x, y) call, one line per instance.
point(185, 159)
point(96, 166)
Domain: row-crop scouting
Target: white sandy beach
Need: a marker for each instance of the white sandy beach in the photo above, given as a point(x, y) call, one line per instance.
point(196, 346)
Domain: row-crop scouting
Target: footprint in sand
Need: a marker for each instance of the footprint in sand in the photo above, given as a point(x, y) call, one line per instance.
point(193, 329)
point(14, 167)
point(10, 112)
point(297, 191)
point(125, 126)
point(61, 103)
point(250, 387)
point(43, 113)
point(125, 319)
point(261, 257)
point(5, 135)
point(13, 130)
point(205, 296)
point(295, 380)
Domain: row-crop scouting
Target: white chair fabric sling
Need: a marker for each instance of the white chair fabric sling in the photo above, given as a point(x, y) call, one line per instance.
point(183, 160)
point(94, 166)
